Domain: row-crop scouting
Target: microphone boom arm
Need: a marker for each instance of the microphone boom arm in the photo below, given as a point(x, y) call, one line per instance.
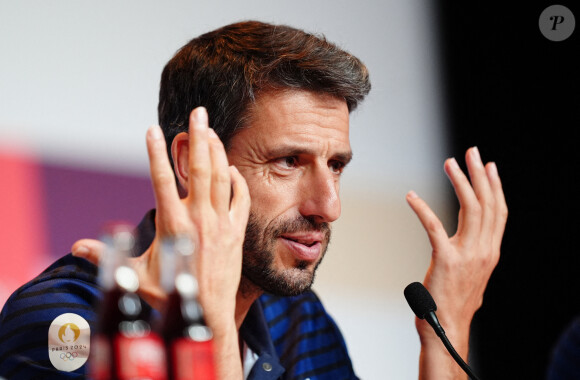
point(424, 307)
point(432, 319)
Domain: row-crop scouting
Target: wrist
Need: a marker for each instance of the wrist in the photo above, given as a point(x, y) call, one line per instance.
point(227, 353)
point(458, 337)
point(223, 332)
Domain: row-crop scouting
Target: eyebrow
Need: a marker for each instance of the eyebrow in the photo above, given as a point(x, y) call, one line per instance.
point(344, 157)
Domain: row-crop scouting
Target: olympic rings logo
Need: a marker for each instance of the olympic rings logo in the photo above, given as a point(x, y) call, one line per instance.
point(68, 356)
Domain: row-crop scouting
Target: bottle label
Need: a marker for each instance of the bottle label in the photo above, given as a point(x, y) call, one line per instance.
point(193, 360)
point(140, 357)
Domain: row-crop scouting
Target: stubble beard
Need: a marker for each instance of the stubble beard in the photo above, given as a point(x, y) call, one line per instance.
point(258, 272)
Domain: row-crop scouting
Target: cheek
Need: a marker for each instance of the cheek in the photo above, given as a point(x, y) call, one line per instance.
point(272, 200)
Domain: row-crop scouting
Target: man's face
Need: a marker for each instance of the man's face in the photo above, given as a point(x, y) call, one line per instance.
point(292, 155)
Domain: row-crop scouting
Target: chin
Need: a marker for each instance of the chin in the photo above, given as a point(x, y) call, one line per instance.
point(284, 282)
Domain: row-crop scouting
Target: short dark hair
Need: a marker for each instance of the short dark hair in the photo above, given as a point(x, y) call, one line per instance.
point(224, 70)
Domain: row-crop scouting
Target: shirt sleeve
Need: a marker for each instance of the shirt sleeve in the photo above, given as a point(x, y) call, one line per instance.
point(59, 302)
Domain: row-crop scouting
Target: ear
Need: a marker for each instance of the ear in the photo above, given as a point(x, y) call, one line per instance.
point(180, 156)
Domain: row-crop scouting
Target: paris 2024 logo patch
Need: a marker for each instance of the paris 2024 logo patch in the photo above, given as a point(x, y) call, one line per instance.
point(69, 337)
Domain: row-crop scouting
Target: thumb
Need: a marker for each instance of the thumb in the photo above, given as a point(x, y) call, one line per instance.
point(88, 249)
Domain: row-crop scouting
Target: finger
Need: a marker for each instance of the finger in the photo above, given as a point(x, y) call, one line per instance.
point(199, 159)
point(468, 226)
point(241, 201)
point(221, 183)
point(431, 223)
point(482, 188)
point(501, 210)
point(88, 249)
point(162, 178)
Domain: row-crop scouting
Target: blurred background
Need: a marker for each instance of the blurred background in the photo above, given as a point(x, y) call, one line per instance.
point(78, 89)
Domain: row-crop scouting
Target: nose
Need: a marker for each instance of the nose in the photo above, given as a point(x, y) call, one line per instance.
point(319, 196)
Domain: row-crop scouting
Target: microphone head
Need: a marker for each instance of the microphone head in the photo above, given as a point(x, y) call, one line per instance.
point(419, 299)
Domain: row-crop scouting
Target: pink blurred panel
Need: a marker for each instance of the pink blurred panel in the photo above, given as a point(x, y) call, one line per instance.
point(23, 236)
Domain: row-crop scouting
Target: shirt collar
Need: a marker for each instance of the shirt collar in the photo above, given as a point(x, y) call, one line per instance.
point(254, 331)
point(145, 233)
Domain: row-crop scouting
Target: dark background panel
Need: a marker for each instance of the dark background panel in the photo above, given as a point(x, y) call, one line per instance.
point(515, 95)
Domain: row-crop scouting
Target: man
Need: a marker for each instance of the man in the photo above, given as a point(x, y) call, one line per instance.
point(259, 191)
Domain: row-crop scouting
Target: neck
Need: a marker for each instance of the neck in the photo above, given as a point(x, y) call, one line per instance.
point(248, 292)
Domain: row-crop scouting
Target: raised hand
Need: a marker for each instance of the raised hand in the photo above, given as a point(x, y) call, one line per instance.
point(462, 264)
point(213, 211)
point(205, 213)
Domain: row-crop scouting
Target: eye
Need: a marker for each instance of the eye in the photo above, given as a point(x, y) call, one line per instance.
point(287, 162)
point(337, 167)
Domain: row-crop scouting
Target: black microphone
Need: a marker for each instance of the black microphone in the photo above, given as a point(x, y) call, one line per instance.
point(424, 307)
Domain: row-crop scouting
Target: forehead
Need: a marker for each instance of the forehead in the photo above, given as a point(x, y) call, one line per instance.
point(296, 117)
